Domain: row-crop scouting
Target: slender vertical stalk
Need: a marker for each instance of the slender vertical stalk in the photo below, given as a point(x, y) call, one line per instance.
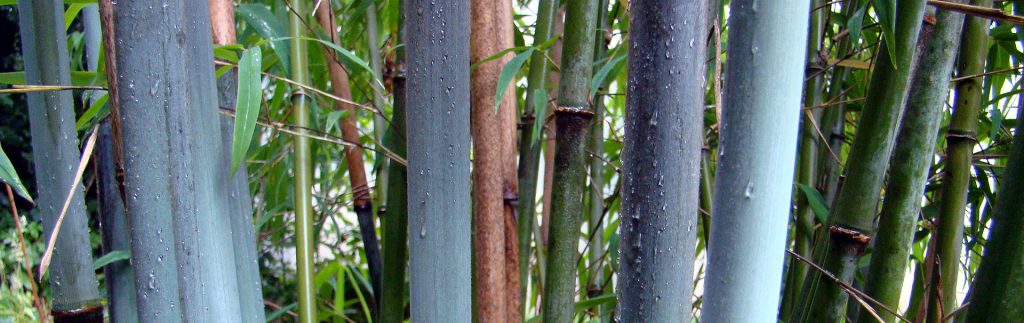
point(379, 124)
point(661, 157)
point(529, 147)
point(395, 221)
point(807, 162)
point(491, 22)
point(912, 156)
point(595, 228)
point(243, 235)
point(850, 223)
point(304, 245)
point(438, 142)
point(75, 292)
point(996, 295)
point(757, 153)
point(572, 117)
point(362, 203)
point(961, 139)
point(833, 122)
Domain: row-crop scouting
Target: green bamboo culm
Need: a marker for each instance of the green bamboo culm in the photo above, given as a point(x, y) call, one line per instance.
point(437, 122)
point(851, 220)
point(572, 117)
point(960, 141)
point(595, 221)
point(833, 121)
point(55, 149)
point(395, 222)
point(912, 156)
point(999, 282)
point(304, 246)
point(757, 151)
point(529, 147)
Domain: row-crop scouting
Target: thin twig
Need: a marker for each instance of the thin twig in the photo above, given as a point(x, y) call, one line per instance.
point(858, 295)
point(24, 254)
point(18, 88)
point(977, 11)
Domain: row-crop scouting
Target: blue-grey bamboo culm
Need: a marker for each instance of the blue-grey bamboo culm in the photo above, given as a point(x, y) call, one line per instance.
point(661, 159)
point(757, 151)
point(52, 120)
point(438, 155)
point(173, 159)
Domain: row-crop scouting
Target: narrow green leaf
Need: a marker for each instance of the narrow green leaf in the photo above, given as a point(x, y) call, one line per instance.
point(14, 2)
point(349, 56)
point(10, 176)
point(274, 315)
point(540, 108)
point(268, 26)
point(78, 78)
point(227, 52)
point(247, 108)
point(71, 13)
point(816, 201)
point(856, 22)
point(111, 257)
point(886, 11)
point(97, 111)
point(592, 302)
point(602, 74)
point(508, 72)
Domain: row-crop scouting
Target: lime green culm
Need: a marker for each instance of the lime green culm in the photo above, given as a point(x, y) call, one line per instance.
point(303, 172)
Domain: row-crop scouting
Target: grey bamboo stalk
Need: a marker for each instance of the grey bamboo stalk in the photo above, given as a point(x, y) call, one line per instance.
point(661, 160)
point(304, 244)
point(995, 296)
point(490, 33)
point(850, 223)
point(438, 142)
point(362, 203)
point(529, 147)
point(75, 292)
point(379, 124)
point(572, 116)
point(172, 180)
point(757, 153)
point(961, 139)
point(912, 156)
point(243, 235)
point(118, 276)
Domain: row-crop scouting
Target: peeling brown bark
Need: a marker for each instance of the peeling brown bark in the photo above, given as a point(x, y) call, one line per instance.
point(222, 11)
point(493, 128)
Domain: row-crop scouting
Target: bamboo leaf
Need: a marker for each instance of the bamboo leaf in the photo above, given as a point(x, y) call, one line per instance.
point(508, 72)
point(97, 111)
point(268, 26)
point(540, 107)
point(350, 56)
point(592, 302)
point(816, 201)
point(86, 155)
point(111, 257)
point(886, 11)
point(10, 176)
point(856, 22)
point(71, 13)
point(78, 78)
point(15, 2)
point(602, 74)
point(272, 316)
point(247, 108)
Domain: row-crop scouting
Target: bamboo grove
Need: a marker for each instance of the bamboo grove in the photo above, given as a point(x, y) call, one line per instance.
point(511, 161)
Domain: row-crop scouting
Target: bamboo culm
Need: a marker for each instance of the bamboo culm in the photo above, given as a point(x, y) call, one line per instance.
point(438, 148)
point(850, 222)
point(572, 118)
point(756, 153)
point(912, 156)
point(304, 246)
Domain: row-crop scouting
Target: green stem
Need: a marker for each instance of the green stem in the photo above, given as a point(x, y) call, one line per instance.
point(961, 139)
point(850, 223)
point(572, 117)
point(304, 245)
point(395, 222)
point(912, 156)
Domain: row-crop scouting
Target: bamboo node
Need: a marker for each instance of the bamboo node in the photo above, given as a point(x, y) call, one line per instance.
point(578, 110)
point(847, 235)
point(953, 134)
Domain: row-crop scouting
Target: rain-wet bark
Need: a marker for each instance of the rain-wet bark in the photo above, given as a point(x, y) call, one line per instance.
point(243, 231)
point(757, 152)
point(75, 291)
point(438, 148)
point(850, 224)
point(184, 264)
point(572, 118)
